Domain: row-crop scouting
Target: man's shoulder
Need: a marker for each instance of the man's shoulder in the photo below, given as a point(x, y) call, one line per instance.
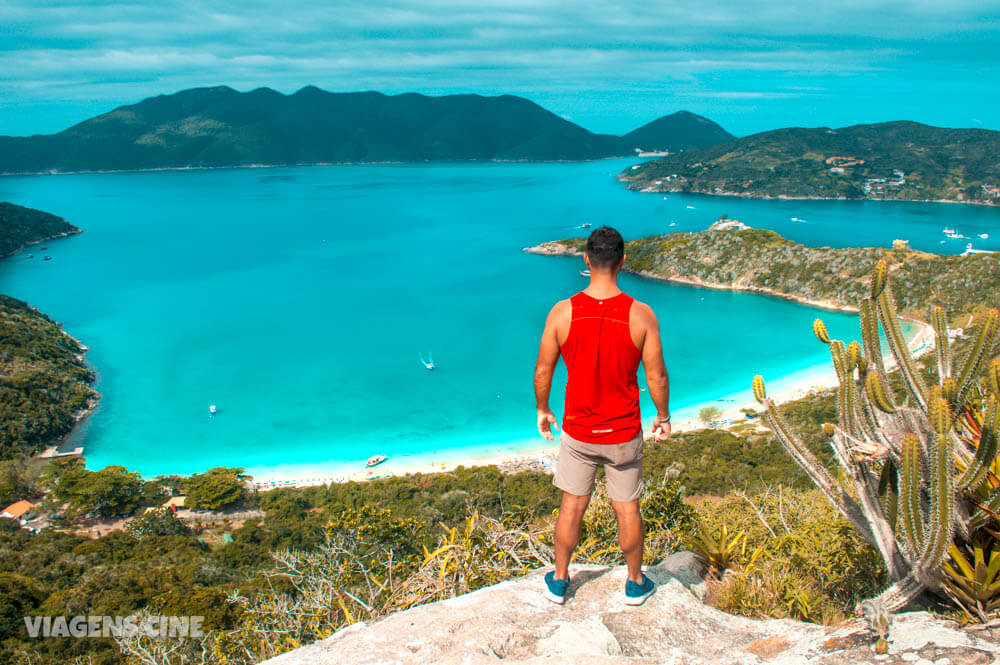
point(561, 309)
point(642, 312)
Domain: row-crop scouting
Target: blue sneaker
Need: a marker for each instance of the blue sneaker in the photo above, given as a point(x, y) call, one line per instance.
point(555, 590)
point(636, 594)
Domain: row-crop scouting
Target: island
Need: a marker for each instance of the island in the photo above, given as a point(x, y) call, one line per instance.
point(20, 227)
point(730, 255)
point(221, 127)
point(893, 160)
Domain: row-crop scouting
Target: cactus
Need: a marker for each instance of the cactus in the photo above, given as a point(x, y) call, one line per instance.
point(924, 471)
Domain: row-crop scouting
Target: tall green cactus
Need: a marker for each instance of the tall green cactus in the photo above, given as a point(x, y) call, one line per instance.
point(913, 468)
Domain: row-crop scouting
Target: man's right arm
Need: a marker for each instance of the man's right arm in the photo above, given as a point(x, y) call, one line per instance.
point(656, 373)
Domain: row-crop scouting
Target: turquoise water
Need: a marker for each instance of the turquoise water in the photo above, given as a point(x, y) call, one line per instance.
point(299, 300)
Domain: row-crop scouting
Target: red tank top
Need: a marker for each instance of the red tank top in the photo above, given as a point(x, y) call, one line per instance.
point(602, 394)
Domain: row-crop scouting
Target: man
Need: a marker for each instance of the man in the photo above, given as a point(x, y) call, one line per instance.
point(602, 335)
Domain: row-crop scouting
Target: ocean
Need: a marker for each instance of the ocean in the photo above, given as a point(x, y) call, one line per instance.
point(299, 302)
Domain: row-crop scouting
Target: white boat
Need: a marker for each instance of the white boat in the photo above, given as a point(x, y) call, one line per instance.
point(984, 236)
point(585, 225)
point(796, 219)
point(585, 273)
point(375, 460)
point(211, 408)
point(690, 207)
point(947, 230)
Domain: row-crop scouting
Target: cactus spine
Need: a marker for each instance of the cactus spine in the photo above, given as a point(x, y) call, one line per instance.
point(914, 464)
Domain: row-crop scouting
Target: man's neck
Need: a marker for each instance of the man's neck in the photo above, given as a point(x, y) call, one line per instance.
point(602, 285)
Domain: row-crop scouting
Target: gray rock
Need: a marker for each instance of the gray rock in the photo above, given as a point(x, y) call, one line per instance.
point(684, 567)
point(513, 622)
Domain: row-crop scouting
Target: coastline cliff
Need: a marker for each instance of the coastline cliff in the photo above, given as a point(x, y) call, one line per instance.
point(761, 261)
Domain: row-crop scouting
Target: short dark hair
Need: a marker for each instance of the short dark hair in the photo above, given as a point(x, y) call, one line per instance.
point(605, 248)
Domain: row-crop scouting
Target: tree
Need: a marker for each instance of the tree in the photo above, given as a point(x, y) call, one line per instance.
point(217, 488)
point(110, 492)
point(709, 414)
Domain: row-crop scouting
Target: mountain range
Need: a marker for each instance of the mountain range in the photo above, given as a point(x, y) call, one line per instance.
point(219, 126)
point(892, 160)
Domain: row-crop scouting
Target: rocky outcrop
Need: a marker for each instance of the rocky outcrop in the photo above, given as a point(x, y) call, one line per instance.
point(761, 261)
point(513, 623)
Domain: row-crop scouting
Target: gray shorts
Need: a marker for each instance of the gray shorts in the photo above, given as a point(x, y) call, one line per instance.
point(578, 462)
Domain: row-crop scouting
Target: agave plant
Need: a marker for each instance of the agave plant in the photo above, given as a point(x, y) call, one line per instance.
point(975, 585)
point(915, 473)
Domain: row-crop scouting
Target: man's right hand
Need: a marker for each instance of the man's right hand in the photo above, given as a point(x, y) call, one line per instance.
point(546, 421)
point(661, 430)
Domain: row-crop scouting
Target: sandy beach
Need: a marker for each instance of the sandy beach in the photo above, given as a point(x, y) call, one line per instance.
point(540, 454)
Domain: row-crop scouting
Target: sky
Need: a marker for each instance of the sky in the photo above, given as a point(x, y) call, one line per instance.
point(610, 66)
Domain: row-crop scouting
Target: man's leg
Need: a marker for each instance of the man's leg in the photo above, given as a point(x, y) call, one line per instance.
point(630, 536)
point(568, 531)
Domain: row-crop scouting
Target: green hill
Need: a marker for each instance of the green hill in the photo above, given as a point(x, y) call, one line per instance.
point(762, 261)
point(893, 160)
point(44, 382)
point(205, 127)
point(676, 132)
point(21, 226)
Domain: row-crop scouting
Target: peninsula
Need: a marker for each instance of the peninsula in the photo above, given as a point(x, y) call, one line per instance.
point(20, 227)
point(217, 127)
point(731, 256)
point(893, 160)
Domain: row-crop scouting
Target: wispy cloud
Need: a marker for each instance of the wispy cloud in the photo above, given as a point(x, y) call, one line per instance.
point(61, 52)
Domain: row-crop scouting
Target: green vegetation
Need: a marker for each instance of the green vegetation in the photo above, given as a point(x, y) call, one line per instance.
point(763, 261)
point(678, 131)
point(917, 477)
point(222, 127)
point(709, 413)
point(794, 556)
point(216, 489)
point(44, 383)
point(111, 492)
point(20, 226)
point(893, 160)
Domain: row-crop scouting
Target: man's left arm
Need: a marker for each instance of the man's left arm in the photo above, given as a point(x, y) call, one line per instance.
point(545, 366)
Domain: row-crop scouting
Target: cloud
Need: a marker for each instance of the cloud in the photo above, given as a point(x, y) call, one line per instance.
point(61, 50)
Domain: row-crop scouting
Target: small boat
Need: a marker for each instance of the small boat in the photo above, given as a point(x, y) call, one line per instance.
point(47, 258)
point(44, 247)
point(211, 408)
point(31, 256)
point(796, 219)
point(585, 273)
point(375, 460)
point(948, 231)
point(585, 225)
point(690, 207)
point(984, 236)
point(673, 223)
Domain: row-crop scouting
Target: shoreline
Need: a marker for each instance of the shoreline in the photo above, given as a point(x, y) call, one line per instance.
point(790, 197)
point(155, 169)
point(64, 234)
point(541, 455)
